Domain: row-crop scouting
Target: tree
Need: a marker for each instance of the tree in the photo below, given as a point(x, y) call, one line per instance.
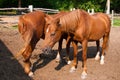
point(97, 5)
point(19, 3)
point(108, 7)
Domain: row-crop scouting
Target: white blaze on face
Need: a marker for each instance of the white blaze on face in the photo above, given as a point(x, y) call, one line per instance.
point(47, 30)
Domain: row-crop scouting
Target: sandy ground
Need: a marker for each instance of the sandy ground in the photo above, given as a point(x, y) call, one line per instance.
point(45, 67)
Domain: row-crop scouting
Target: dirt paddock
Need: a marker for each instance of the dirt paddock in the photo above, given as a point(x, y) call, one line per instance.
point(45, 67)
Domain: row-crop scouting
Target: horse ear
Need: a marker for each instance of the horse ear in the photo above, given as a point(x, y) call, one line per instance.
point(58, 22)
point(47, 17)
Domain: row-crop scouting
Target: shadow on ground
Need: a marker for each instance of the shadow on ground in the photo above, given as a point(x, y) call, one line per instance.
point(10, 69)
point(44, 59)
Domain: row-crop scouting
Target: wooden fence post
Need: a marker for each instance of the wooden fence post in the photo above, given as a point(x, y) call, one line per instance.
point(112, 18)
point(30, 8)
point(88, 11)
point(92, 11)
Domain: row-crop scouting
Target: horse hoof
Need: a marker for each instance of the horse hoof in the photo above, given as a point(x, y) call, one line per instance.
point(30, 74)
point(102, 62)
point(84, 75)
point(68, 62)
point(97, 58)
point(72, 70)
point(57, 60)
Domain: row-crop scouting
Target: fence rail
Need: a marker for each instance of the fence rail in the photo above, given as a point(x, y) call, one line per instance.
point(24, 10)
point(5, 9)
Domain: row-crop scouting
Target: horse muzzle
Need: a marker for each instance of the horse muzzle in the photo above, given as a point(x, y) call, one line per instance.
point(47, 50)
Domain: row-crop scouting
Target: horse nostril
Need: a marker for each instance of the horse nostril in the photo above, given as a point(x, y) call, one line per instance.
point(46, 50)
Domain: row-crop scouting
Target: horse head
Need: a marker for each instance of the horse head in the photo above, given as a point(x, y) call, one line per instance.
point(52, 33)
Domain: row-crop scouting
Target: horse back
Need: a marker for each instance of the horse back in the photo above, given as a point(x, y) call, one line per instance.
point(31, 24)
point(102, 17)
point(99, 26)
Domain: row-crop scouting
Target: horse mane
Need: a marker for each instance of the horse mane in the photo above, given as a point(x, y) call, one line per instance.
point(73, 18)
point(59, 14)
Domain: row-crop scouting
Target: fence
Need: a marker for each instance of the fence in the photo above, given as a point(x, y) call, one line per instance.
point(114, 16)
point(22, 11)
point(29, 9)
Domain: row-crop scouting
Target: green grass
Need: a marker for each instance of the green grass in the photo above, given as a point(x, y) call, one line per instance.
point(116, 22)
point(13, 12)
point(15, 27)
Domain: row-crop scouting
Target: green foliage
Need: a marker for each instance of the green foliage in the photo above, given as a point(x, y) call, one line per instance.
point(8, 3)
point(98, 5)
point(90, 5)
point(82, 4)
point(8, 12)
point(115, 5)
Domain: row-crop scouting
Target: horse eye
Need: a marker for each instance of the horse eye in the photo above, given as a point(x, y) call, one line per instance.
point(52, 34)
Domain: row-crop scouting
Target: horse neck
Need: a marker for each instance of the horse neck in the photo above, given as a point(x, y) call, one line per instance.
point(70, 21)
point(74, 20)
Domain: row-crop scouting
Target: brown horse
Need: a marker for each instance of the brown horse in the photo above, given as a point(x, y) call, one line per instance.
point(63, 36)
point(82, 28)
point(32, 27)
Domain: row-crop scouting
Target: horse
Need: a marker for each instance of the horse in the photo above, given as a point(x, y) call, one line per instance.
point(32, 27)
point(82, 28)
point(63, 36)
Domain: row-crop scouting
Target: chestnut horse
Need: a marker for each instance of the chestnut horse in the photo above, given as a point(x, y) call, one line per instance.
point(63, 36)
point(32, 27)
point(82, 28)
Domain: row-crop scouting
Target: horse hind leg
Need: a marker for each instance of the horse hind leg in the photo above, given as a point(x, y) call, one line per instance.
point(27, 63)
point(19, 53)
point(97, 57)
point(26, 53)
point(104, 48)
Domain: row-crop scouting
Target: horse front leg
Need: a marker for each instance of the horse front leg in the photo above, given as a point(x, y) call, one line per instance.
point(84, 58)
point(58, 57)
point(97, 57)
point(74, 64)
point(68, 50)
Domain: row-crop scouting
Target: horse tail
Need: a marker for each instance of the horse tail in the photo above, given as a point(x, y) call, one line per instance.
point(21, 25)
point(28, 40)
point(108, 32)
point(108, 42)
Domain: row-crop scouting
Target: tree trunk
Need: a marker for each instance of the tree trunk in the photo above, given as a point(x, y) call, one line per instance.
point(108, 7)
point(19, 3)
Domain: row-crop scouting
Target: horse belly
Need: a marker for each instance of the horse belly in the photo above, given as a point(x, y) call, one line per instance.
point(96, 36)
point(97, 31)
